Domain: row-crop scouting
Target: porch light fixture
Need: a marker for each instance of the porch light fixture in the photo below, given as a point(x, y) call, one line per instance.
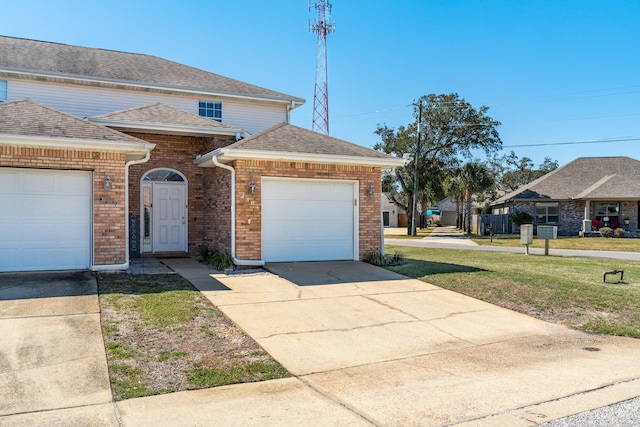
point(370, 190)
point(107, 184)
point(252, 187)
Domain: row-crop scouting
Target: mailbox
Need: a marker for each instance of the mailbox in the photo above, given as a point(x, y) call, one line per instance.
point(547, 232)
point(526, 234)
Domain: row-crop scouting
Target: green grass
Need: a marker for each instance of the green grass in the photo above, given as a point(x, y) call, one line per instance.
point(126, 382)
point(167, 308)
point(559, 289)
point(258, 371)
point(564, 242)
point(160, 337)
point(121, 351)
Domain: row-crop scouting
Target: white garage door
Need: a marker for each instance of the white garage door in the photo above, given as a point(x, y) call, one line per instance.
point(45, 219)
point(308, 220)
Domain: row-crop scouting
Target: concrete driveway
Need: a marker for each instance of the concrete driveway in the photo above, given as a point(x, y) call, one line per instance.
point(53, 368)
point(395, 351)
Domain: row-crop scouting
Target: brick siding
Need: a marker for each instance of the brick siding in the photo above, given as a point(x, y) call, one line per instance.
point(178, 153)
point(248, 206)
point(571, 214)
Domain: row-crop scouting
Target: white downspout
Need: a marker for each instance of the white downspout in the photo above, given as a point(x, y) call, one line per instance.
point(244, 262)
point(125, 265)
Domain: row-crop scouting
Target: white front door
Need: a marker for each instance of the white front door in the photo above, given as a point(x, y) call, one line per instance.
point(169, 217)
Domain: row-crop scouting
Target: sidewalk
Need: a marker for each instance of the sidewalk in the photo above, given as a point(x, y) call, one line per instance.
point(451, 238)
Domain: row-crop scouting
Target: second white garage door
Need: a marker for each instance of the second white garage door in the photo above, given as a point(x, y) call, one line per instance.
point(45, 219)
point(309, 220)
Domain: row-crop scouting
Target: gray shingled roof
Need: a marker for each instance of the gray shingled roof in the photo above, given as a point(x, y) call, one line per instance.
point(584, 178)
point(29, 118)
point(288, 138)
point(75, 61)
point(162, 114)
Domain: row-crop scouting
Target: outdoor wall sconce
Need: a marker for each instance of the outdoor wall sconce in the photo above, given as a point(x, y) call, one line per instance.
point(252, 187)
point(107, 184)
point(370, 190)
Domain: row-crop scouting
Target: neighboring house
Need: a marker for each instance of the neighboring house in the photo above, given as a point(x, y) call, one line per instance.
point(603, 190)
point(392, 215)
point(448, 210)
point(105, 152)
point(448, 213)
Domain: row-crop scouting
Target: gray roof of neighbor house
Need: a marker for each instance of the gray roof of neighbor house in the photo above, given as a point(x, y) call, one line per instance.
point(40, 59)
point(163, 118)
point(604, 178)
point(292, 143)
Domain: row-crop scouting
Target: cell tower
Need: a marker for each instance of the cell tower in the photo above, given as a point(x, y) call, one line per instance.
point(322, 26)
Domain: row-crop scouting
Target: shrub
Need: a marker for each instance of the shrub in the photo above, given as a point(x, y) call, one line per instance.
point(521, 217)
point(618, 232)
point(606, 231)
point(381, 260)
point(221, 261)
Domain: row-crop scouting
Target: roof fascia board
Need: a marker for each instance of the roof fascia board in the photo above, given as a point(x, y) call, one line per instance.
point(227, 155)
point(292, 102)
point(129, 147)
point(173, 129)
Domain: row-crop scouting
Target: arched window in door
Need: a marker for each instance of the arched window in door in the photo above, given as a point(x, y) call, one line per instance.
point(163, 175)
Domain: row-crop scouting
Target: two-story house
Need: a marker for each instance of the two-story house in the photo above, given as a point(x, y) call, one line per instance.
point(95, 144)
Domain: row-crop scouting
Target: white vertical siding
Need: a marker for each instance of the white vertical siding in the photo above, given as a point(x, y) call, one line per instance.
point(87, 101)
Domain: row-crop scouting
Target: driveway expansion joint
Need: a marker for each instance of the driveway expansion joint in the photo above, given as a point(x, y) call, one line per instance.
point(338, 401)
point(60, 408)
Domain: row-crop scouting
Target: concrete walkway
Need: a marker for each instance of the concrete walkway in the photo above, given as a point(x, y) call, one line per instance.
point(451, 238)
point(369, 347)
point(53, 367)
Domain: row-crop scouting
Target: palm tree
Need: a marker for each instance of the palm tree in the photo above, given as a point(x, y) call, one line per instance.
point(475, 178)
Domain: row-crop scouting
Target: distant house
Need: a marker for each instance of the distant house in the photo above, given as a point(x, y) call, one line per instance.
point(448, 210)
point(392, 214)
point(604, 190)
point(106, 155)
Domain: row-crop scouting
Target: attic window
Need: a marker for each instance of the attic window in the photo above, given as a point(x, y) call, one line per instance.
point(3, 90)
point(210, 109)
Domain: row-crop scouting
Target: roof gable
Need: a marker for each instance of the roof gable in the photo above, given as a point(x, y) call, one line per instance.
point(162, 117)
point(288, 138)
point(29, 118)
point(70, 61)
point(584, 178)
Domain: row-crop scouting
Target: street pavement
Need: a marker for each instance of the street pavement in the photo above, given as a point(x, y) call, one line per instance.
point(450, 238)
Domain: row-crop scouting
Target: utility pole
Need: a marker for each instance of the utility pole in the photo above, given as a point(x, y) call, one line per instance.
point(322, 26)
point(416, 158)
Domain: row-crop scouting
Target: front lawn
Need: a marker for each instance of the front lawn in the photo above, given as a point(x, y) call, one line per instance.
point(565, 242)
point(557, 289)
point(162, 335)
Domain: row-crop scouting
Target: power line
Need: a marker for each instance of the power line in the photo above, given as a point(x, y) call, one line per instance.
point(599, 141)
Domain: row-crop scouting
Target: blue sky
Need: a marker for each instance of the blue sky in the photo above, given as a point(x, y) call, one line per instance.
point(552, 72)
